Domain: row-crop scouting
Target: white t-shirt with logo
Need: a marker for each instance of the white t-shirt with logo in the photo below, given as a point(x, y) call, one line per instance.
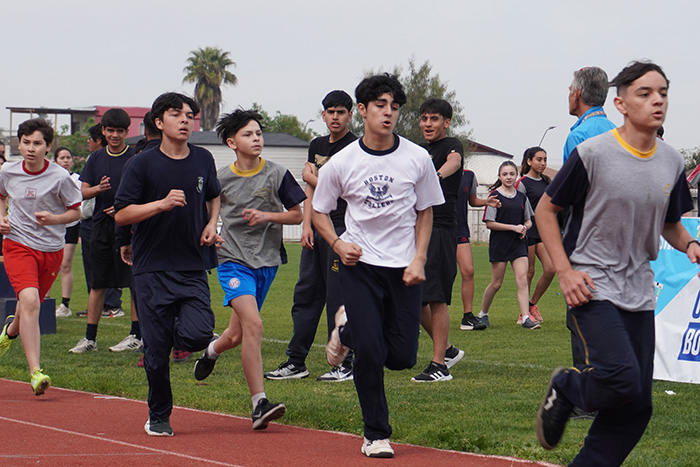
point(383, 189)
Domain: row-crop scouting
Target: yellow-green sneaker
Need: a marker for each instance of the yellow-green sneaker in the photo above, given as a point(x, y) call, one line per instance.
point(5, 341)
point(40, 382)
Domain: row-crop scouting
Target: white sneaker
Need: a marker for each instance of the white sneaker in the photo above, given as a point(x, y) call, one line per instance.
point(83, 346)
point(377, 448)
point(113, 312)
point(130, 342)
point(335, 350)
point(63, 311)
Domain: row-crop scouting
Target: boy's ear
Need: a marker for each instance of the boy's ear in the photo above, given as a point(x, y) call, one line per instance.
point(231, 143)
point(362, 110)
point(159, 123)
point(620, 105)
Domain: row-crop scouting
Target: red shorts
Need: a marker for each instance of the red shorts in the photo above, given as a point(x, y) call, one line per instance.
point(27, 267)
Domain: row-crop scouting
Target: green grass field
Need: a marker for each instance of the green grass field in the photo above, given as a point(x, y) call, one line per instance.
point(488, 408)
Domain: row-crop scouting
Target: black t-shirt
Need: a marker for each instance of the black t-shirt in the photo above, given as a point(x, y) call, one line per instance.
point(445, 215)
point(320, 152)
point(101, 164)
point(169, 241)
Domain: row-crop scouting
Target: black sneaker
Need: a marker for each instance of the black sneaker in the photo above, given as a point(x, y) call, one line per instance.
point(158, 427)
point(288, 370)
point(452, 356)
point(553, 415)
point(205, 364)
point(434, 372)
point(265, 412)
point(471, 323)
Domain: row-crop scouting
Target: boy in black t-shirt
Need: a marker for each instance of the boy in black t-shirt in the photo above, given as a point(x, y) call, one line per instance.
point(101, 177)
point(441, 266)
point(318, 268)
point(170, 194)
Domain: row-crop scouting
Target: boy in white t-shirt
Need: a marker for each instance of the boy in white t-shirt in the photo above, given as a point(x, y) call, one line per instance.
point(44, 199)
point(390, 186)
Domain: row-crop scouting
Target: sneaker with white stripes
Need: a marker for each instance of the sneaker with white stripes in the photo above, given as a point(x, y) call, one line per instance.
point(434, 372)
point(130, 342)
point(377, 448)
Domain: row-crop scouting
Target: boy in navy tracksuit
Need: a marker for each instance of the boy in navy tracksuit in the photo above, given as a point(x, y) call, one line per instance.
point(170, 194)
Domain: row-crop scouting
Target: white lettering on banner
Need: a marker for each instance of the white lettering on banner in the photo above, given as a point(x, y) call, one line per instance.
point(690, 344)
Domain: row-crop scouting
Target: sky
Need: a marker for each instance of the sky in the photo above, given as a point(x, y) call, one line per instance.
point(509, 62)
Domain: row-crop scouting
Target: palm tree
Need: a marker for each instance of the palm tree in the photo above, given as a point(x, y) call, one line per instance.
point(207, 68)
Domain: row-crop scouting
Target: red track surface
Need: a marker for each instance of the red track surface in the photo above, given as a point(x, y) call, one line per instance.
point(65, 427)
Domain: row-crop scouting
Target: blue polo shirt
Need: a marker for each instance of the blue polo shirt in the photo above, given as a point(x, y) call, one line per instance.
point(587, 126)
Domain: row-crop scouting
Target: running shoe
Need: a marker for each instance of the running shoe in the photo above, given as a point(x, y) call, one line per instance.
point(452, 356)
point(434, 372)
point(158, 427)
point(205, 364)
point(485, 321)
point(265, 412)
point(553, 415)
point(377, 448)
point(535, 314)
point(84, 345)
point(288, 370)
point(181, 356)
point(130, 342)
point(5, 340)
point(529, 324)
point(471, 323)
point(337, 374)
point(520, 319)
point(81, 313)
point(40, 382)
point(62, 311)
point(335, 350)
point(113, 312)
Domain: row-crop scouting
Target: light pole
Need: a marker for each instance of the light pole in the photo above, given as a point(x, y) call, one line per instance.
point(303, 130)
point(545, 134)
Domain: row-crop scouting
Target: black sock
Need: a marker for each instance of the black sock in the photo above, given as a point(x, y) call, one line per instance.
point(91, 332)
point(66, 301)
point(136, 329)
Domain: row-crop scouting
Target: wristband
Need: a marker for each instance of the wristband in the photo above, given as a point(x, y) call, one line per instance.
point(690, 243)
point(338, 238)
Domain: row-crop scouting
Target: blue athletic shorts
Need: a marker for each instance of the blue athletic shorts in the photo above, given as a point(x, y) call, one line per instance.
point(237, 280)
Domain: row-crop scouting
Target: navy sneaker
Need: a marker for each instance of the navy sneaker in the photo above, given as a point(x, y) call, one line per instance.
point(205, 364)
point(553, 415)
point(158, 427)
point(265, 412)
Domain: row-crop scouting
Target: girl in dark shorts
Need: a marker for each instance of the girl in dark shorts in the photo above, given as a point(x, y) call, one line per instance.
point(532, 184)
point(64, 158)
point(507, 243)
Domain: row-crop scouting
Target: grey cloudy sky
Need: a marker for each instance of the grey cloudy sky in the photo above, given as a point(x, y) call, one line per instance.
point(509, 62)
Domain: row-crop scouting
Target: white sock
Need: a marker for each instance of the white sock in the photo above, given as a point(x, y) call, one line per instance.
point(257, 397)
point(210, 350)
point(481, 314)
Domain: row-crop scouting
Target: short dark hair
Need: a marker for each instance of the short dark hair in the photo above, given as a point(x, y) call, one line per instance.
point(634, 71)
point(171, 100)
point(149, 126)
point(229, 124)
point(36, 124)
point(436, 106)
point(95, 133)
point(594, 85)
point(372, 87)
point(337, 99)
point(62, 148)
point(116, 118)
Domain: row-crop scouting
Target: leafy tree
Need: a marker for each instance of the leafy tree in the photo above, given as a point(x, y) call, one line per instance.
point(77, 143)
point(419, 84)
point(207, 68)
point(692, 157)
point(285, 123)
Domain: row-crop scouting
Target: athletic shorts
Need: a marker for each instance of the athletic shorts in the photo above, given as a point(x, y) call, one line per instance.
point(27, 267)
point(72, 234)
point(441, 266)
point(533, 241)
point(237, 280)
point(108, 269)
point(462, 239)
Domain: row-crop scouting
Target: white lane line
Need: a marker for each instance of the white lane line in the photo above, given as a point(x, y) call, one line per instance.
point(121, 443)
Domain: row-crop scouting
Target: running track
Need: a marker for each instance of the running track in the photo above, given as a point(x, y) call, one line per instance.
point(67, 427)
